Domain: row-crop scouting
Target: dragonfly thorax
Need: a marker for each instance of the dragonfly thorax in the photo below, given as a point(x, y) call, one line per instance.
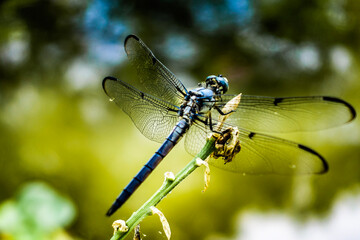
point(198, 101)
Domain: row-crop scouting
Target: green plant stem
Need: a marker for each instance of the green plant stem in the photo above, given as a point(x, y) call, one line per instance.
point(165, 189)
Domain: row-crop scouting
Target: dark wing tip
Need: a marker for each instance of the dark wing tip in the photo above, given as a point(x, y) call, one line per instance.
point(348, 105)
point(325, 164)
point(108, 78)
point(131, 36)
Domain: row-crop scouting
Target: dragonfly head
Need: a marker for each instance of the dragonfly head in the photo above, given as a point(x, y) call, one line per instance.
point(218, 84)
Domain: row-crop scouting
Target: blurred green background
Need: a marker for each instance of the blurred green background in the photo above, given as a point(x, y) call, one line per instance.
point(67, 152)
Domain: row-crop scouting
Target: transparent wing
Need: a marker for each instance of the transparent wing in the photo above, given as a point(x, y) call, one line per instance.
point(290, 114)
point(261, 154)
point(195, 137)
point(153, 117)
point(156, 79)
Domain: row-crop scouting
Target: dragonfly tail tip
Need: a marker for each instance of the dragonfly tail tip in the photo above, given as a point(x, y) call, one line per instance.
point(111, 210)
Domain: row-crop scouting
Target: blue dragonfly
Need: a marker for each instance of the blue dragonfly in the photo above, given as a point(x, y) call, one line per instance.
point(166, 110)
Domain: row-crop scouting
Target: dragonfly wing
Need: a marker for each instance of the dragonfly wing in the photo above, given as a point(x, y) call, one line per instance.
point(153, 117)
point(263, 154)
point(290, 114)
point(260, 154)
point(156, 79)
point(195, 138)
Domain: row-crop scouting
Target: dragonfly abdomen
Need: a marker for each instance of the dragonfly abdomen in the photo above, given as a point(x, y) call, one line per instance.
point(179, 130)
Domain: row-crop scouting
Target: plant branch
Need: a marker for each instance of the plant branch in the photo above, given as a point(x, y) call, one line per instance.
point(168, 185)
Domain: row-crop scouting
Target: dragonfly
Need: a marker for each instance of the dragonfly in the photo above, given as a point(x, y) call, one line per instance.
point(166, 110)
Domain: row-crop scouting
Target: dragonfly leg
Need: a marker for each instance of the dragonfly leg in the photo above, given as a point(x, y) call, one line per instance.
point(209, 120)
point(221, 112)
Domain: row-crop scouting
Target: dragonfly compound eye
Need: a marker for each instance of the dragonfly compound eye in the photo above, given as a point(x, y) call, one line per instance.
point(223, 84)
point(211, 81)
